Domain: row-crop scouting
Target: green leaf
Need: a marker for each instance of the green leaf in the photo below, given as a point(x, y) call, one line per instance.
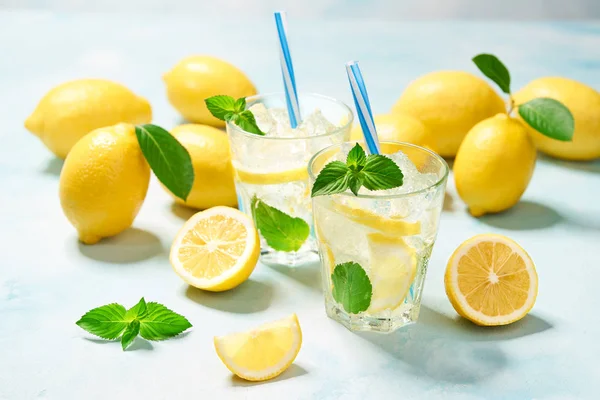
point(107, 322)
point(281, 231)
point(549, 117)
point(246, 121)
point(169, 160)
point(160, 323)
point(494, 69)
point(136, 311)
point(381, 172)
point(220, 105)
point(130, 334)
point(334, 178)
point(351, 287)
point(240, 105)
point(356, 158)
point(355, 181)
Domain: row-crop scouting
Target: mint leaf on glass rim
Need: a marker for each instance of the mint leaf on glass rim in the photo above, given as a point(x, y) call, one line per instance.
point(220, 105)
point(549, 117)
point(246, 121)
point(281, 231)
point(356, 158)
point(332, 179)
point(381, 172)
point(494, 69)
point(168, 159)
point(351, 287)
point(240, 105)
point(226, 108)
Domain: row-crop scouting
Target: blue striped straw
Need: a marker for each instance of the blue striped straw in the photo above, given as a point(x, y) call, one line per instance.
point(363, 107)
point(287, 70)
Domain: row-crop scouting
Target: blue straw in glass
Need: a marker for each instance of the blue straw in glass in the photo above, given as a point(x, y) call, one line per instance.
point(363, 107)
point(287, 70)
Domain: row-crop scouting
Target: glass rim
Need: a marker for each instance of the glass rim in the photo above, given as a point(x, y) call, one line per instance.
point(338, 129)
point(385, 196)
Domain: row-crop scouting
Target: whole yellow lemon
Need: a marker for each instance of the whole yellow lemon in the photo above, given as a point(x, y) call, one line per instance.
point(72, 110)
point(397, 128)
point(103, 182)
point(584, 104)
point(494, 165)
point(213, 172)
point(195, 78)
point(449, 103)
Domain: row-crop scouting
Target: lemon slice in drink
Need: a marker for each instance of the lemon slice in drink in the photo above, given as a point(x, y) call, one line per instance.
point(491, 280)
point(391, 226)
point(216, 250)
point(256, 177)
point(393, 267)
point(261, 353)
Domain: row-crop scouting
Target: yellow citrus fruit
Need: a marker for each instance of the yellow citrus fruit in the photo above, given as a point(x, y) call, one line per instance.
point(271, 178)
point(71, 110)
point(393, 267)
point(396, 127)
point(213, 172)
point(103, 182)
point(391, 226)
point(196, 78)
point(494, 165)
point(216, 250)
point(263, 352)
point(491, 280)
point(584, 104)
point(449, 103)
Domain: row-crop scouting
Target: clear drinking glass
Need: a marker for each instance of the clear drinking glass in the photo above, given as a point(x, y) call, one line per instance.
point(274, 168)
point(389, 235)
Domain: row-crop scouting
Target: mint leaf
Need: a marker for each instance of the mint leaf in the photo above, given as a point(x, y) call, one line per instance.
point(281, 231)
point(130, 334)
point(240, 105)
point(219, 106)
point(549, 117)
point(246, 121)
point(169, 160)
point(381, 172)
point(355, 181)
point(351, 287)
point(333, 178)
point(356, 158)
point(494, 69)
point(160, 323)
point(107, 322)
point(136, 311)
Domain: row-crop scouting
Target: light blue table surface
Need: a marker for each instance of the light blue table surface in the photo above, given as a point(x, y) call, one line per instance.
point(48, 280)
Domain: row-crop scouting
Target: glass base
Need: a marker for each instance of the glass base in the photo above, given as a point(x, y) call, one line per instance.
point(290, 259)
point(365, 323)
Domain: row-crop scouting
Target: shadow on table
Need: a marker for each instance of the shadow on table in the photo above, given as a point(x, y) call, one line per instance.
point(308, 274)
point(129, 246)
point(293, 371)
point(449, 203)
point(53, 166)
point(585, 166)
point(525, 215)
point(182, 212)
point(251, 296)
point(138, 343)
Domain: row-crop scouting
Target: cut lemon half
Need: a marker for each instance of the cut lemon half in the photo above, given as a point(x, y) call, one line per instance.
point(261, 353)
point(271, 178)
point(390, 226)
point(216, 250)
point(491, 280)
point(393, 267)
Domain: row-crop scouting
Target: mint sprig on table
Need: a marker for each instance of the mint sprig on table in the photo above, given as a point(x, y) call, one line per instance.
point(281, 231)
point(547, 116)
point(168, 159)
point(226, 108)
point(351, 287)
point(152, 321)
point(375, 172)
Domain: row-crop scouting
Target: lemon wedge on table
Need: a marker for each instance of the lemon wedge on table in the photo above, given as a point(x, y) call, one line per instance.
point(261, 353)
point(491, 280)
point(216, 250)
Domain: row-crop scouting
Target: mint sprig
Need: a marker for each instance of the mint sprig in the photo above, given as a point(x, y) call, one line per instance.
point(281, 231)
point(547, 116)
point(152, 321)
point(351, 287)
point(375, 172)
point(226, 108)
point(168, 159)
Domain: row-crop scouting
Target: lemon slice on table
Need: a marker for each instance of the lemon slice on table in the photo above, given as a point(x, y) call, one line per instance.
point(393, 267)
point(491, 280)
point(257, 177)
point(216, 250)
point(372, 220)
point(261, 353)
